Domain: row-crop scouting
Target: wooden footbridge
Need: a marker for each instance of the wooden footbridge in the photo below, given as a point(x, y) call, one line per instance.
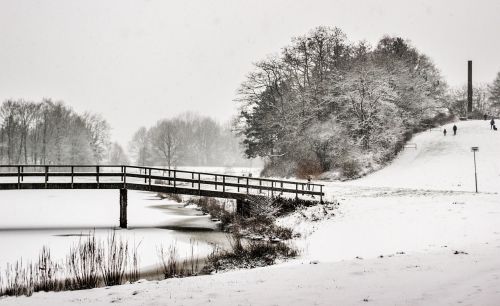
point(123, 178)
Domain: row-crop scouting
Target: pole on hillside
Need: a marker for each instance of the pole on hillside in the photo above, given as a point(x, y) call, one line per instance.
point(469, 87)
point(474, 150)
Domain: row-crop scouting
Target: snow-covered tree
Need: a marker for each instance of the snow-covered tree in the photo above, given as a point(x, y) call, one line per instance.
point(376, 97)
point(494, 91)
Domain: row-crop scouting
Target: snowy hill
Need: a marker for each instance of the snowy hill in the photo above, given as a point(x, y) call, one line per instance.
point(445, 162)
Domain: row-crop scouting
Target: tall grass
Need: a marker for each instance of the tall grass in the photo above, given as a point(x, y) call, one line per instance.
point(47, 272)
point(114, 260)
point(170, 263)
point(134, 273)
point(91, 263)
point(84, 263)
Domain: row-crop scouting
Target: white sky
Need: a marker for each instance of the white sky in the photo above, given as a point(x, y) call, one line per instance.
point(138, 61)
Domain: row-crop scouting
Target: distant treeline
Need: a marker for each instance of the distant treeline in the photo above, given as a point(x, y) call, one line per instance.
point(324, 104)
point(485, 99)
point(187, 140)
point(50, 133)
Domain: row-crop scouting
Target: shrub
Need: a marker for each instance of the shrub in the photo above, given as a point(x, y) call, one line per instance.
point(171, 196)
point(247, 254)
point(350, 168)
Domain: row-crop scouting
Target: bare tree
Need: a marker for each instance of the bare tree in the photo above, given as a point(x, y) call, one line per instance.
point(140, 147)
point(166, 141)
point(117, 155)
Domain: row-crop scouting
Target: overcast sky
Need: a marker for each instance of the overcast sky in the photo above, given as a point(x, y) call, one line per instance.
point(138, 61)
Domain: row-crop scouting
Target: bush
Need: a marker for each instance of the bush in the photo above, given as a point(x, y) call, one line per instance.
point(350, 168)
point(308, 167)
point(247, 254)
point(171, 196)
point(213, 208)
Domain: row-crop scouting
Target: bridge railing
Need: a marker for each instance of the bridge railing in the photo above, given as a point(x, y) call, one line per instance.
point(125, 174)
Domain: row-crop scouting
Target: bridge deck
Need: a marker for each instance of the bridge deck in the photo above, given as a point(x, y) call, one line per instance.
point(149, 179)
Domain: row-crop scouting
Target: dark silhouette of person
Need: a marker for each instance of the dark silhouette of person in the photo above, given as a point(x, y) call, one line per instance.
point(455, 130)
point(444, 132)
point(485, 116)
point(492, 123)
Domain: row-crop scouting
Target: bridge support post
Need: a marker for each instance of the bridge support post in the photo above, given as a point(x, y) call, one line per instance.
point(242, 207)
point(123, 208)
point(239, 207)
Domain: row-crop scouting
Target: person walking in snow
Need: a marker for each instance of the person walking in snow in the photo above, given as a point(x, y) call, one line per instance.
point(444, 132)
point(454, 130)
point(492, 123)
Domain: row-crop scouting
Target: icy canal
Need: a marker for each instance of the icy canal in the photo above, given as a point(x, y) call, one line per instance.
point(58, 219)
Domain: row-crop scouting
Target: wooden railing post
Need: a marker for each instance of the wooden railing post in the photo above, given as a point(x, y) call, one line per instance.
point(215, 182)
point(175, 178)
point(296, 191)
point(97, 176)
point(260, 184)
point(272, 188)
point(192, 179)
point(145, 178)
point(72, 175)
point(46, 175)
point(247, 185)
point(321, 194)
point(238, 184)
point(121, 170)
point(18, 177)
point(223, 183)
point(22, 176)
point(149, 178)
point(124, 177)
point(199, 184)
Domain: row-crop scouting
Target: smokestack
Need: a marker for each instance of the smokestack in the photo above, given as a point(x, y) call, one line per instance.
point(469, 88)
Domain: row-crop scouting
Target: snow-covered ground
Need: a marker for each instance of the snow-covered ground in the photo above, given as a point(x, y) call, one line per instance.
point(413, 233)
point(445, 162)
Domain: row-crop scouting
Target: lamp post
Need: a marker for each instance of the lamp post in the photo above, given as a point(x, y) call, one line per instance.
point(474, 150)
